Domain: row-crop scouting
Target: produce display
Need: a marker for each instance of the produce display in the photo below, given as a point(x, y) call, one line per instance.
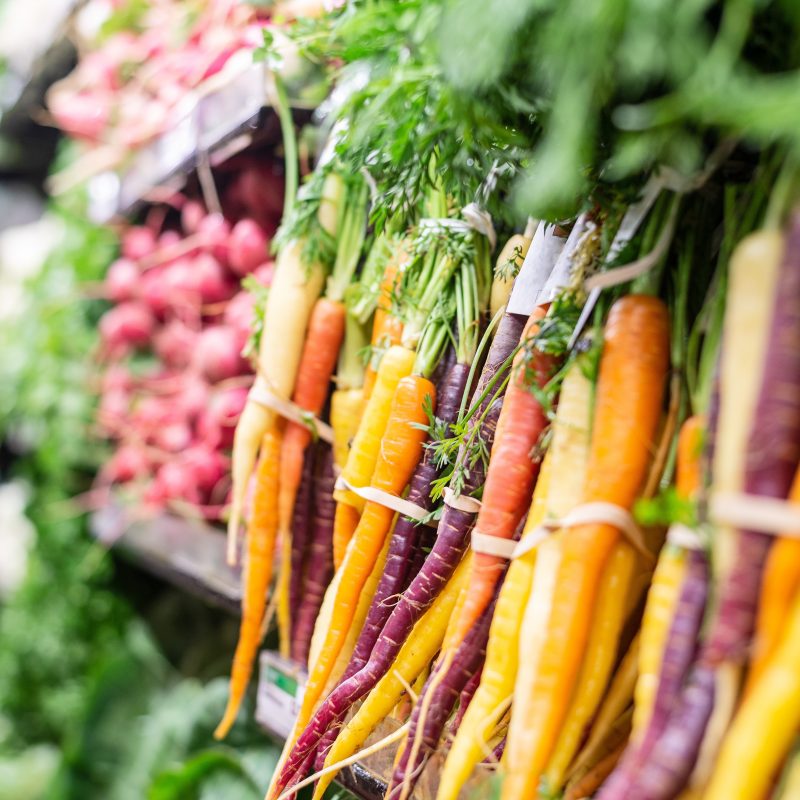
point(174, 344)
point(509, 450)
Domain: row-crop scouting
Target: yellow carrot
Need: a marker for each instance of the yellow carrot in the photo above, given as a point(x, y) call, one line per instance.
point(765, 725)
point(507, 266)
point(601, 652)
point(421, 646)
point(346, 408)
point(396, 363)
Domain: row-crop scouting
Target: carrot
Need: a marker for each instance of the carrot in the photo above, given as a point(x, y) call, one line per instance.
point(778, 590)
point(436, 702)
point(415, 654)
point(400, 450)
point(301, 542)
point(261, 535)
point(295, 288)
point(345, 523)
point(598, 662)
point(320, 564)
point(763, 423)
point(387, 329)
point(558, 489)
point(765, 726)
point(630, 387)
point(324, 337)
point(593, 779)
point(511, 472)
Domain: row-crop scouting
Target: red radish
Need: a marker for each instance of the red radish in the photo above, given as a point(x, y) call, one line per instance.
point(216, 230)
point(113, 410)
point(100, 70)
point(152, 413)
point(207, 465)
point(138, 242)
point(126, 325)
point(211, 279)
point(117, 378)
point(122, 280)
point(248, 246)
point(173, 437)
point(192, 214)
point(152, 291)
point(216, 424)
point(167, 242)
point(264, 273)
point(174, 482)
point(174, 344)
point(84, 115)
point(193, 397)
point(239, 315)
point(127, 464)
point(218, 354)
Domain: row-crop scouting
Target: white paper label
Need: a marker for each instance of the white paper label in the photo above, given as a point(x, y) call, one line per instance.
point(542, 255)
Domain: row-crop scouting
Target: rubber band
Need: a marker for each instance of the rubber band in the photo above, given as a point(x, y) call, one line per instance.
point(374, 495)
point(475, 219)
point(288, 410)
point(587, 513)
point(769, 515)
point(683, 536)
point(461, 502)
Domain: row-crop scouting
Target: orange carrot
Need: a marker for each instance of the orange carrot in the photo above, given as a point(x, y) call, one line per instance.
point(344, 526)
point(629, 399)
point(779, 587)
point(387, 329)
point(400, 450)
point(320, 351)
point(511, 474)
point(261, 533)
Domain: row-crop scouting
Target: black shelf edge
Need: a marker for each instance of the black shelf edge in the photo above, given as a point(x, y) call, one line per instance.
point(188, 554)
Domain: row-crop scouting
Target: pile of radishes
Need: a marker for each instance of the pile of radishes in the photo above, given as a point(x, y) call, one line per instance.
point(138, 67)
point(174, 376)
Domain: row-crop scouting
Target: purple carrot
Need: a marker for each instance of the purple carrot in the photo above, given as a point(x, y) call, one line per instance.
point(773, 452)
point(497, 753)
point(464, 700)
point(451, 542)
point(403, 560)
point(301, 530)
point(442, 693)
point(679, 653)
point(320, 554)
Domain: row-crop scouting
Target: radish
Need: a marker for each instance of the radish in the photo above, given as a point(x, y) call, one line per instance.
point(216, 424)
point(127, 464)
point(216, 230)
point(192, 214)
point(218, 354)
point(239, 315)
point(211, 279)
point(122, 280)
point(193, 397)
point(113, 409)
point(173, 437)
point(207, 465)
point(175, 343)
point(117, 378)
point(84, 115)
point(138, 242)
point(152, 413)
point(264, 273)
point(125, 326)
point(248, 246)
point(174, 482)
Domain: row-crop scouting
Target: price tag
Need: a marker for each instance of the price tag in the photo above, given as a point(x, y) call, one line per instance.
point(280, 692)
point(542, 255)
point(562, 272)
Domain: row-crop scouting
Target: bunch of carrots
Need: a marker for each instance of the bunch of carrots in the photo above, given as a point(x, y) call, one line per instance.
point(559, 550)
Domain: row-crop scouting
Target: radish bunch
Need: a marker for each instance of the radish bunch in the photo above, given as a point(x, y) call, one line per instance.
point(174, 375)
point(129, 86)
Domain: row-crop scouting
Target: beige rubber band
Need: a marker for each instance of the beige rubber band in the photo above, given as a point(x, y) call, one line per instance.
point(289, 410)
point(461, 502)
point(683, 536)
point(373, 495)
point(768, 515)
point(599, 512)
